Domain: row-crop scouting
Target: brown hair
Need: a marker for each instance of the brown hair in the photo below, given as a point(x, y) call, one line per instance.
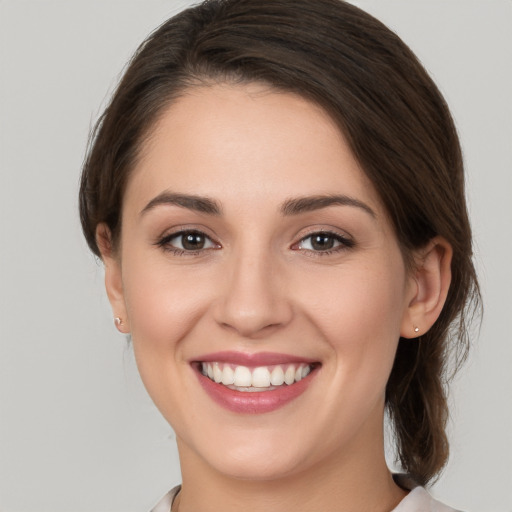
point(394, 118)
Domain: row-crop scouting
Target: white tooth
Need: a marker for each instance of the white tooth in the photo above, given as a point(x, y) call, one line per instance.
point(204, 370)
point(305, 370)
point(242, 376)
point(277, 376)
point(227, 375)
point(261, 377)
point(217, 373)
point(289, 375)
point(298, 374)
point(209, 370)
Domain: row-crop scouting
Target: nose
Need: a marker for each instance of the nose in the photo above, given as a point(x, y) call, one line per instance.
point(253, 302)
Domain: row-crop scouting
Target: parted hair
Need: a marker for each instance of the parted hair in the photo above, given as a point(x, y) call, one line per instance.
point(389, 110)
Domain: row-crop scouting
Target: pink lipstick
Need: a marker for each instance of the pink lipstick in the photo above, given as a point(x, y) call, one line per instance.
point(253, 383)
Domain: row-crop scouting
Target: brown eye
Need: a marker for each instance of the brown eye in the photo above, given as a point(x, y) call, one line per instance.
point(324, 242)
point(193, 241)
point(187, 241)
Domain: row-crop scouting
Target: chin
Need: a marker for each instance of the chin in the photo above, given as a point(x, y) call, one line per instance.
point(257, 469)
point(259, 460)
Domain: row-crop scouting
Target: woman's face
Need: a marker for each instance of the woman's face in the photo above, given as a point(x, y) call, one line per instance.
point(255, 249)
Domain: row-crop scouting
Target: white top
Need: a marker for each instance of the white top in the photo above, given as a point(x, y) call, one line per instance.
point(418, 500)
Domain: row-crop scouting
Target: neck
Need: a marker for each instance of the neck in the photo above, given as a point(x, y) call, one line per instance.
point(357, 479)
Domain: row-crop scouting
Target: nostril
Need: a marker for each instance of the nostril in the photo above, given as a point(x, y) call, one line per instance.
point(250, 303)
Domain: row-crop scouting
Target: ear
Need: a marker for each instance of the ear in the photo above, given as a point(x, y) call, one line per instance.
point(113, 277)
point(430, 282)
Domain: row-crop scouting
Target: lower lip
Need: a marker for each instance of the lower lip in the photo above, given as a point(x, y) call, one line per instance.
point(256, 402)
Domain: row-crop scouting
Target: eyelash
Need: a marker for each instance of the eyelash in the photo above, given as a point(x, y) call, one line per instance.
point(165, 243)
point(343, 241)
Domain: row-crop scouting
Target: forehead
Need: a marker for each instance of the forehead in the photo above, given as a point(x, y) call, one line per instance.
point(243, 142)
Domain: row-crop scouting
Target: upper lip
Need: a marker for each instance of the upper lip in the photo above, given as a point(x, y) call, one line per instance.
point(248, 359)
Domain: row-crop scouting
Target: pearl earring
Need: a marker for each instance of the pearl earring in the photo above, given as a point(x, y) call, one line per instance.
point(118, 321)
point(416, 329)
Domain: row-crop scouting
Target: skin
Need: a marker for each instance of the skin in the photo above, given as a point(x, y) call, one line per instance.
point(258, 285)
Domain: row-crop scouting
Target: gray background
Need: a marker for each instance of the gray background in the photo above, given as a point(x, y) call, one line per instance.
point(77, 430)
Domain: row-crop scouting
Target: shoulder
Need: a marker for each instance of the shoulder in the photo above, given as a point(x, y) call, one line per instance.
point(418, 499)
point(164, 505)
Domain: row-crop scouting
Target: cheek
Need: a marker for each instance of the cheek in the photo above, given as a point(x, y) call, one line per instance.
point(359, 314)
point(164, 302)
point(357, 301)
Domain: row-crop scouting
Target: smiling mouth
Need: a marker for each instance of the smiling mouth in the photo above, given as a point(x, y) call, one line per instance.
point(258, 379)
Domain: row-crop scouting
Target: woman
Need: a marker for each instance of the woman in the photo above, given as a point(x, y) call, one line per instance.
point(276, 191)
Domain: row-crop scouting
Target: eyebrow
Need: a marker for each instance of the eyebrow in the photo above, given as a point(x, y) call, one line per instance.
point(191, 202)
point(310, 203)
point(290, 207)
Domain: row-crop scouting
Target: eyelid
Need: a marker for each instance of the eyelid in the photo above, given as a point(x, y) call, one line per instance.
point(163, 241)
point(345, 240)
